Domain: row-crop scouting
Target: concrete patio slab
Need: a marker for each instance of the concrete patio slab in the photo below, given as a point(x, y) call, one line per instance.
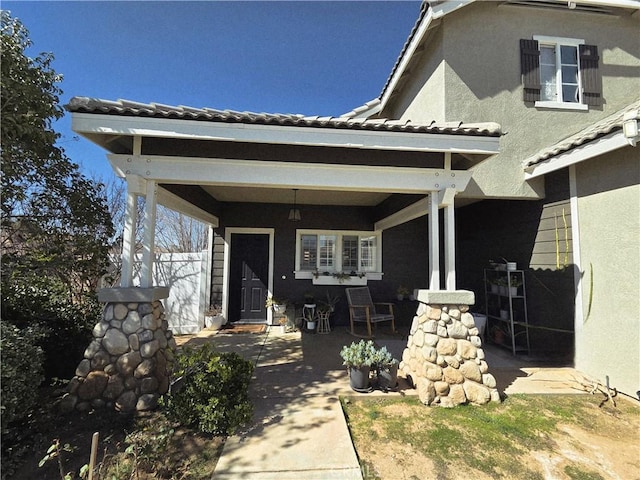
point(299, 430)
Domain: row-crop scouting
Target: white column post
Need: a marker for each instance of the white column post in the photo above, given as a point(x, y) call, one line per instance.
point(434, 243)
point(129, 237)
point(446, 198)
point(148, 244)
point(450, 247)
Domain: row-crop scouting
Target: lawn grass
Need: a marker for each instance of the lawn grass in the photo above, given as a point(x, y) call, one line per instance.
point(492, 439)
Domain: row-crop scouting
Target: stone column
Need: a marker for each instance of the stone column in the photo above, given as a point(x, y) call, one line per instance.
point(444, 359)
point(128, 364)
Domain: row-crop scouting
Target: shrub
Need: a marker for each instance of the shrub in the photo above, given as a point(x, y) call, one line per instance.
point(21, 371)
point(42, 303)
point(211, 392)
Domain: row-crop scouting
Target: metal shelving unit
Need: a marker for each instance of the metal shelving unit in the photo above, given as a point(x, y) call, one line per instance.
point(506, 309)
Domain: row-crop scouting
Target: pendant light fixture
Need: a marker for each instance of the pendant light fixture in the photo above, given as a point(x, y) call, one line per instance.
point(294, 212)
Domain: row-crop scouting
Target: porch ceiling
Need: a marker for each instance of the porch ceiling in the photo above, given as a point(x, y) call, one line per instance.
point(285, 196)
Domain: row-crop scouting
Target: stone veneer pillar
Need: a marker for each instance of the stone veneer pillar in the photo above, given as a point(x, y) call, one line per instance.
point(444, 359)
point(128, 364)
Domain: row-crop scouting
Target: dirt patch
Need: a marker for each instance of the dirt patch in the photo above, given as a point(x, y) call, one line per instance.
point(163, 450)
point(534, 437)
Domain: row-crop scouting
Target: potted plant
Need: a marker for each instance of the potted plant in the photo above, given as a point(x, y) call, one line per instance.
point(497, 334)
point(515, 281)
point(402, 292)
point(502, 286)
point(332, 301)
point(358, 358)
point(386, 369)
point(283, 322)
point(311, 323)
point(213, 318)
point(493, 282)
point(279, 306)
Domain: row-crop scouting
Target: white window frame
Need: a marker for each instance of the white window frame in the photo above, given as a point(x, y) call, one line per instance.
point(544, 40)
point(374, 273)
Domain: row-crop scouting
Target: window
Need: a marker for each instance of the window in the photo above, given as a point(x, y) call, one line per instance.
point(330, 252)
point(560, 72)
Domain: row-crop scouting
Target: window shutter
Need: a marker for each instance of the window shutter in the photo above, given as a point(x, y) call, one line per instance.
point(530, 69)
point(590, 75)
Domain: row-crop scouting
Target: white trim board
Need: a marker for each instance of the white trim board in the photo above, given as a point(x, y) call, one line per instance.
point(92, 124)
point(271, 174)
point(227, 264)
point(595, 148)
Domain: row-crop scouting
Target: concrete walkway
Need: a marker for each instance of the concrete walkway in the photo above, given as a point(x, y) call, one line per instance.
point(299, 430)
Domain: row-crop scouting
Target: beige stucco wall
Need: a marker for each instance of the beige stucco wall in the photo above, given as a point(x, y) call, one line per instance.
point(482, 83)
point(422, 96)
point(608, 336)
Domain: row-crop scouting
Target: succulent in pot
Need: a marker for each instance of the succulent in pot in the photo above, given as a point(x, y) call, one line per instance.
point(358, 358)
point(386, 369)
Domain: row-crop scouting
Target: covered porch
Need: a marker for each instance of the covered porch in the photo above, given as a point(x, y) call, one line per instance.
point(371, 182)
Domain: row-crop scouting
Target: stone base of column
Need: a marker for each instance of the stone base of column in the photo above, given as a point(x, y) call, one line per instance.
point(128, 364)
point(444, 358)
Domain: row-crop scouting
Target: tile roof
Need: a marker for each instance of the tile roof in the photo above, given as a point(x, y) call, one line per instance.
point(599, 129)
point(156, 110)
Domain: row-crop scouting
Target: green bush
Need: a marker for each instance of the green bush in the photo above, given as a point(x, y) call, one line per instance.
point(211, 392)
point(42, 303)
point(21, 371)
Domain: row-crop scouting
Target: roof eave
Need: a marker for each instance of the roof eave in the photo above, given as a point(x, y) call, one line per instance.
point(595, 148)
point(92, 125)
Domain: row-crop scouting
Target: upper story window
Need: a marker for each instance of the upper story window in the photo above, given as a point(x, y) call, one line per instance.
point(560, 72)
point(338, 252)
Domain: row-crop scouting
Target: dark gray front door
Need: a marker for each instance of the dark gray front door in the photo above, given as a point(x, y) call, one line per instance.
point(248, 278)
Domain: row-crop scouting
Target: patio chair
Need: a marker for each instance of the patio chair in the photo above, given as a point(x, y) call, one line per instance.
point(362, 309)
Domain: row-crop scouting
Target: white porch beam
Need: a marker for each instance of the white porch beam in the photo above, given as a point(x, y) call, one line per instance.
point(148, 244)
point(416, 210)
point(89, 124)
point(311, 176)
point(434, 243)
point(174, 202)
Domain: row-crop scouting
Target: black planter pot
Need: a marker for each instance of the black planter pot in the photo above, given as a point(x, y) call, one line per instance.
point(388, 378)
point(359, 378)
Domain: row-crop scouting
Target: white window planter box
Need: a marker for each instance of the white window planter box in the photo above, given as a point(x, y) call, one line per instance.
point(331, 280)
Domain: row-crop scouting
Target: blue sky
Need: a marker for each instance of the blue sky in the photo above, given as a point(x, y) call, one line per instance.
point(314, 58)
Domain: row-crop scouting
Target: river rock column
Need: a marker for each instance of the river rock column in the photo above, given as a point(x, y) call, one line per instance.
point(128, 364)
point(444, 358)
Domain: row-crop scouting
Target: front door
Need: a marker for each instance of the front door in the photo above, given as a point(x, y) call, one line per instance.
point(248, 279)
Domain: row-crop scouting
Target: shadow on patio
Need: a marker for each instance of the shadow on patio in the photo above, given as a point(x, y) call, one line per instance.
point(298, 425)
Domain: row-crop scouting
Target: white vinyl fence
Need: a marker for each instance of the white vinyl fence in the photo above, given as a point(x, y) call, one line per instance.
point(186, 275)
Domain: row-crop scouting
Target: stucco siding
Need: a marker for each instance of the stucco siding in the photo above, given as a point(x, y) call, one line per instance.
point(482, 82)
point(608, 340)
point(422, 94)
